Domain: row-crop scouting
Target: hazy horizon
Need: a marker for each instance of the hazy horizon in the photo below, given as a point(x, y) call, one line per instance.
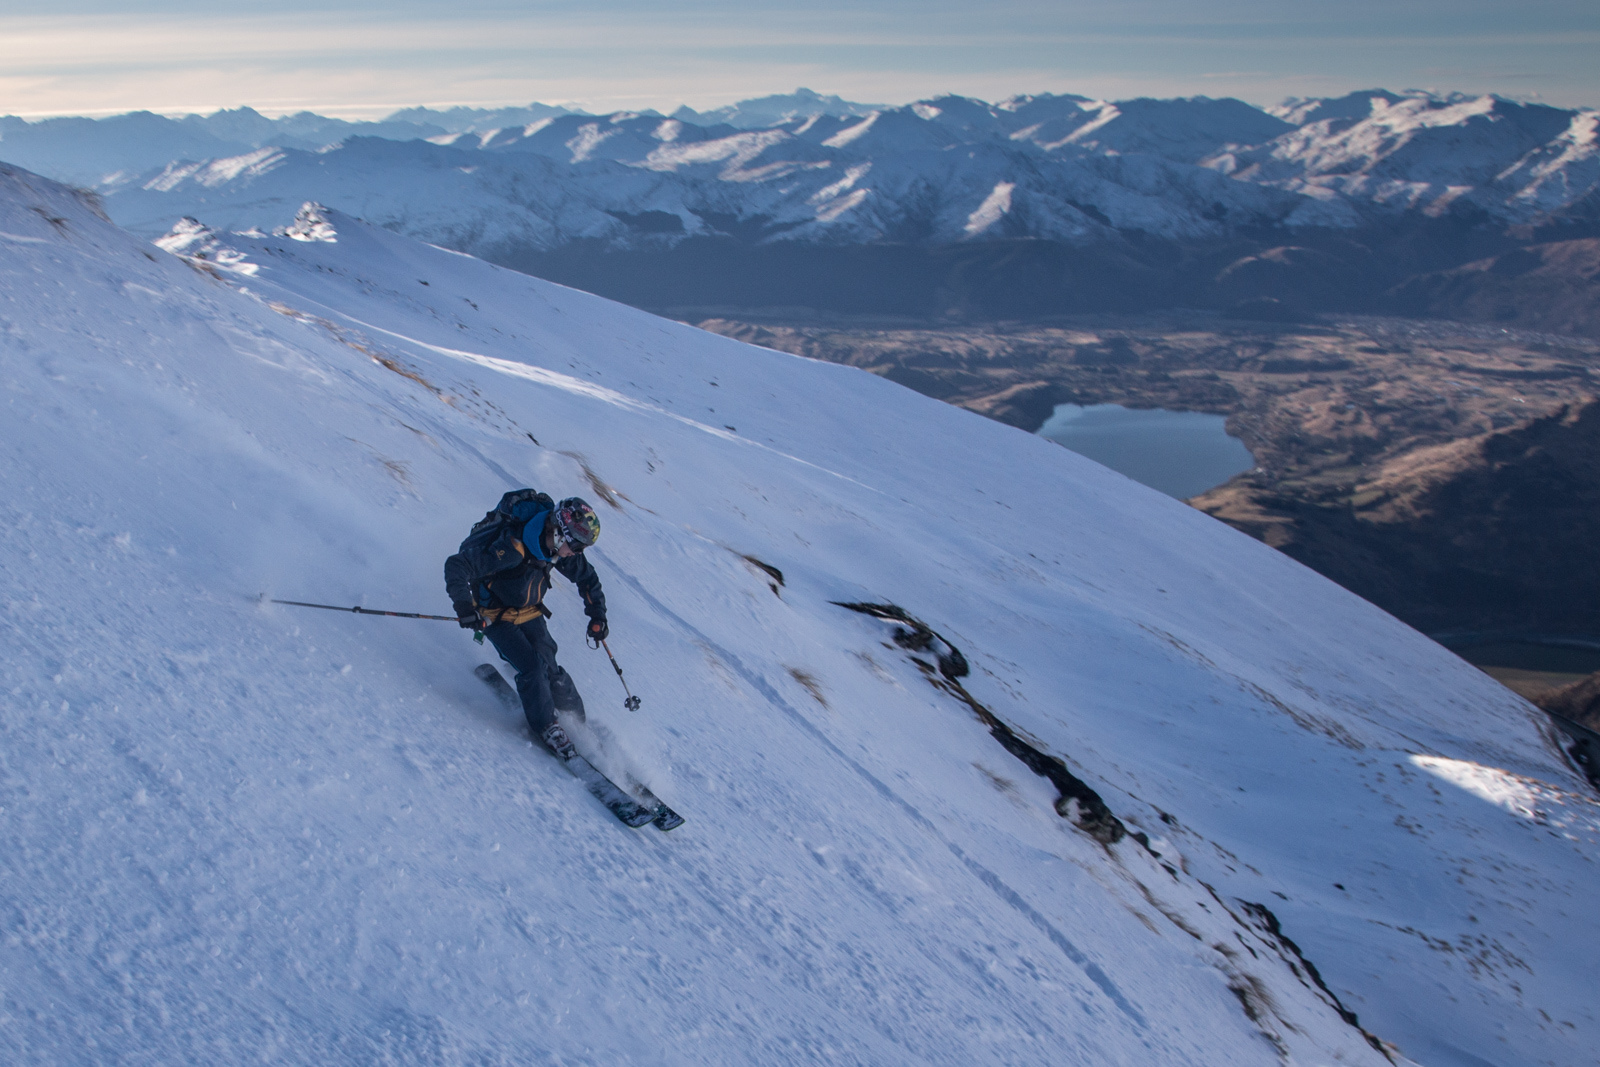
point(377, 113)
point(361, 59)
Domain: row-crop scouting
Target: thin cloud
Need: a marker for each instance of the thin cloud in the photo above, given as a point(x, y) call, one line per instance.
point(35, 44)
point(367, 62)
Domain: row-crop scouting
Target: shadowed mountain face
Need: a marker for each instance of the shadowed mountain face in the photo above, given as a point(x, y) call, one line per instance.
point(1554, 286)
point(1262, 275)
point(1494, 531)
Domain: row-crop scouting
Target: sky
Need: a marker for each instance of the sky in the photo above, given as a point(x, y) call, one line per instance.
point(364, 59)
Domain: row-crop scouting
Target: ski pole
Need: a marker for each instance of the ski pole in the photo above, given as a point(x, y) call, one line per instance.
point(360, 611)
point(632, 703)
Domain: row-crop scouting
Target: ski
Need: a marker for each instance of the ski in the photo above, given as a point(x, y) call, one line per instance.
point(665, 818)
point(632, 812)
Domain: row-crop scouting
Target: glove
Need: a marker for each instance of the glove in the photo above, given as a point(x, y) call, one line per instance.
point(598, 630)
point(469, 619)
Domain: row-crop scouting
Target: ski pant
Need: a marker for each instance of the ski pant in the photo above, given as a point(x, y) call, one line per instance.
point(544, 685)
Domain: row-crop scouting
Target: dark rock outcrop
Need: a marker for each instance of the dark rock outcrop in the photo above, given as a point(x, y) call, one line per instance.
point(1075, 799)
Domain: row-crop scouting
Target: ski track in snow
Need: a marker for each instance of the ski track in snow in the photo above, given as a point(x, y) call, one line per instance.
point(986, 876)
point(235, 831)
point(580, 387)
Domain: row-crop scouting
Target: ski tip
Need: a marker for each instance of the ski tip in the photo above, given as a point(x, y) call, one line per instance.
point(667, 819)
point(486, 671)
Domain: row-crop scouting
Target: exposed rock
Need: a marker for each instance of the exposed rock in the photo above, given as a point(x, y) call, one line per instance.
point(1075, 799)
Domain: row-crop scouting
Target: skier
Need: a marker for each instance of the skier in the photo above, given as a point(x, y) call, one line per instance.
point(497, 583)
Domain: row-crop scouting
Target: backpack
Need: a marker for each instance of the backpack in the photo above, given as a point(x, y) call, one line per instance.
point(489, 548)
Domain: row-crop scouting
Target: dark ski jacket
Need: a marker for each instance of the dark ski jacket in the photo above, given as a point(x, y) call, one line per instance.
point(502, 571)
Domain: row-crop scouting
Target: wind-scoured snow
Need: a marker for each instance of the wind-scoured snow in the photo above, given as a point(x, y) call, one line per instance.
point(240, 831)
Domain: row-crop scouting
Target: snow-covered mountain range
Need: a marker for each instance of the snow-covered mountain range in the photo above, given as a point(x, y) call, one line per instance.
point(108, 152)
point(102, 153)
point(1511, 162)
point(1132, 789)
point(627, 181)
point(815, 169)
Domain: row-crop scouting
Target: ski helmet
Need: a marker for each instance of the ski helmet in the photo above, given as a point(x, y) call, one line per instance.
point(577, 523)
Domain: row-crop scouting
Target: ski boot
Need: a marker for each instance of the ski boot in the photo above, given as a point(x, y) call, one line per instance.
point(558, 741)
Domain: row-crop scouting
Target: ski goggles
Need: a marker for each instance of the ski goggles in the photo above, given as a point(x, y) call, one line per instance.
point(577, 524)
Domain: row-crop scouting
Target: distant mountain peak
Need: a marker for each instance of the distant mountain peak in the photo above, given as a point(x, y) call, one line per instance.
point(778, 108)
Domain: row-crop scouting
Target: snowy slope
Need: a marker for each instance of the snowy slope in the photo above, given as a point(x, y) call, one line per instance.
point(240, 831)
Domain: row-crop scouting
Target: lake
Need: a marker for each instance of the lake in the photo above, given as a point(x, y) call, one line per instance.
point(1180, 453)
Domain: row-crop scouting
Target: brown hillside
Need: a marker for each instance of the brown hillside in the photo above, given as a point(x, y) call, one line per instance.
point(1497, 530)
point(1579, 701)
point(1553, 286)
